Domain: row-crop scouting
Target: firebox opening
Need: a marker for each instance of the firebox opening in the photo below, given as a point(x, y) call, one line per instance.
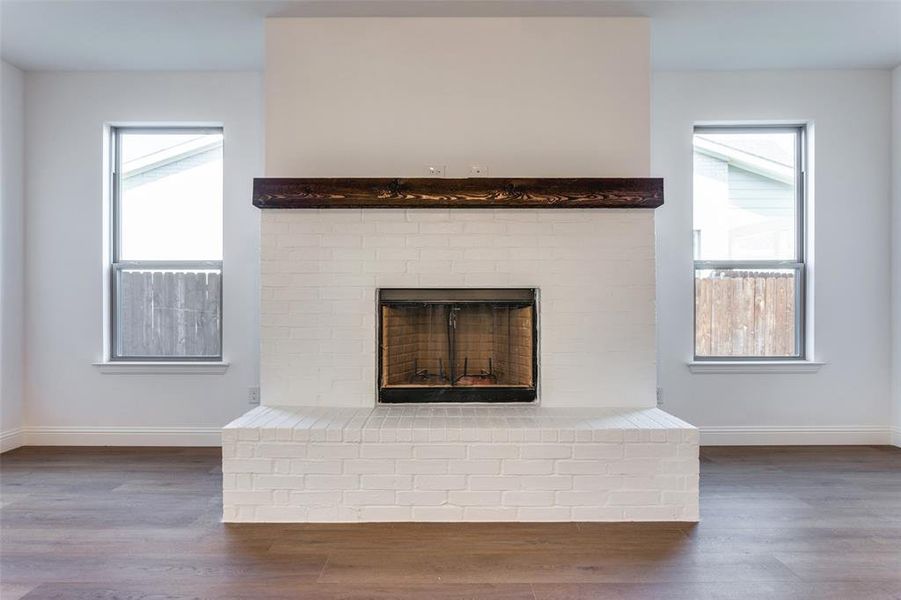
point(457, 345)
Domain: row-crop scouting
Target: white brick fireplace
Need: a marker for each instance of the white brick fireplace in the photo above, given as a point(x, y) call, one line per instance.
point(384, 98)
point(591, 450)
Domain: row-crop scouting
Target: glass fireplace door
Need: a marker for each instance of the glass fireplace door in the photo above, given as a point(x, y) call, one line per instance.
point(463, 345)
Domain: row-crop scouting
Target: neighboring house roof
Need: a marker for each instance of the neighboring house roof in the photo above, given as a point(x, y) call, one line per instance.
point(170, 155)
point(746, 159)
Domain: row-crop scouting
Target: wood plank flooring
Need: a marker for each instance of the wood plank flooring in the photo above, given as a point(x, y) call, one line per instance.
point(778, 523)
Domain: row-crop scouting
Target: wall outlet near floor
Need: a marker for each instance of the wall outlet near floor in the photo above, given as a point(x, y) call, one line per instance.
point(253, 396)
point(478, 171)
point(435, 170)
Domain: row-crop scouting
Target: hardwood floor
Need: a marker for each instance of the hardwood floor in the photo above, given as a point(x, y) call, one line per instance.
point(777, 523)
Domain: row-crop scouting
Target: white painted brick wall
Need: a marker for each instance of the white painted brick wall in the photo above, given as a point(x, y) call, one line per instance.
point(474, 463)
point(594, 270)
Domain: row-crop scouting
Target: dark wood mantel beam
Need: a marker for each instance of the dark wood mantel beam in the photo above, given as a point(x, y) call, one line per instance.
point(475, 192)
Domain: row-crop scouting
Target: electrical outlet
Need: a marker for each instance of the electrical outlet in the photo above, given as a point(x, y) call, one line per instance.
point(435, 170)
point(253, 396)
point(660, 396)
point(478, 171)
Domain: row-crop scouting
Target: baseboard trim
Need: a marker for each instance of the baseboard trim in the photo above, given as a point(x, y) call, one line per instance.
point(11, 439)
point(122, 436)
point(896, 436)
point(212, 436)
point(796, 435)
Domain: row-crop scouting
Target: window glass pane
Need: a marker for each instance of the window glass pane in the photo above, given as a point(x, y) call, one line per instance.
point(744, 195)
point(168, 313)
point(170, 203)
point(744, 312)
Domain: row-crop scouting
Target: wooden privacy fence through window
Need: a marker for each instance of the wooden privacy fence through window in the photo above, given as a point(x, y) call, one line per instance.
point(744, 313)
point(169, 313)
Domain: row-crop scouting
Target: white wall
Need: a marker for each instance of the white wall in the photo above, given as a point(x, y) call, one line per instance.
point(848, 399)
point(12, 256)
point(896, 254)
point(68, 400)
point(536, 97)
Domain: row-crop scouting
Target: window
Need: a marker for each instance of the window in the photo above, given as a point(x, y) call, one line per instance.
point(749, 242)
point(166, 271)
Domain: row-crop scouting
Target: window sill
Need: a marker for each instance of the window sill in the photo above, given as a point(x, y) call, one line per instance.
point(764, 366)
point(162, 367)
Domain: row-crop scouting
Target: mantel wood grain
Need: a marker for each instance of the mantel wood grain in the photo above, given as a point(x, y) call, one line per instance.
point(476, 192)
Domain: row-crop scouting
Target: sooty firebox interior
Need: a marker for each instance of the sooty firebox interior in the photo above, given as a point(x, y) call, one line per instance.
point(457, 345)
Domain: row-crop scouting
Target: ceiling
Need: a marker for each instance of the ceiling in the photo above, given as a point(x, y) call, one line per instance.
point(228, 35)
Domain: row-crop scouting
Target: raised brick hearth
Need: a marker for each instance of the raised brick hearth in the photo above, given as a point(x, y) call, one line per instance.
point(459, 463)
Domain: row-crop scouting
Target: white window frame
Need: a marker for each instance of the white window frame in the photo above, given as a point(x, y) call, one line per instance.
point(799, 264)
point(116, 265)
